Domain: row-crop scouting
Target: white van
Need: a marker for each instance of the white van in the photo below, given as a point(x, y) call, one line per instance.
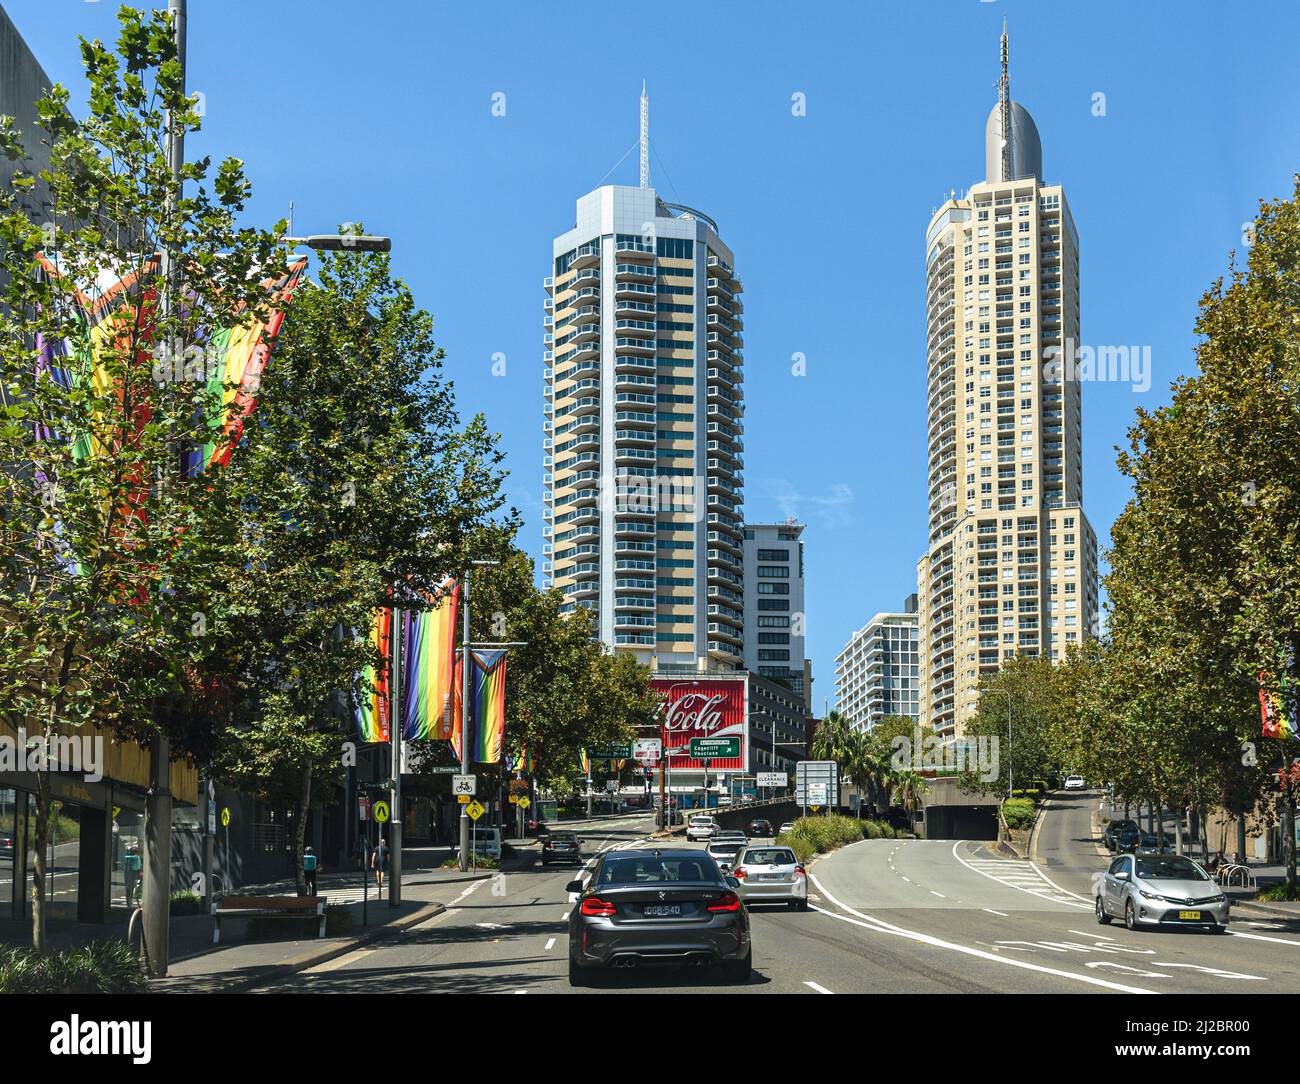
point(486, 841)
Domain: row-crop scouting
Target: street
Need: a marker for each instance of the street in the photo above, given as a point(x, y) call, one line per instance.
point(887, 917)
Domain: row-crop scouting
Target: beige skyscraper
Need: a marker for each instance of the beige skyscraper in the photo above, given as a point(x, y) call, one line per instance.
point(643, 431)
point(1011, 565)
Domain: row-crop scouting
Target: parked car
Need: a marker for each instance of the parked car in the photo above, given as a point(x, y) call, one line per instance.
point(562, 847)
point(700, 827)
point(1160, 890)
point(1075, 782)
point(1111, 836)
point(771, 875)
point(657, 906)
point(759, 828)
point(724, 851)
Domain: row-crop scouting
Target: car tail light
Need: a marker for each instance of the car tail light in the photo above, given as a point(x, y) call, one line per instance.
point(595, 907)
point(728, 901)
point(740, 873)
point(799, 871)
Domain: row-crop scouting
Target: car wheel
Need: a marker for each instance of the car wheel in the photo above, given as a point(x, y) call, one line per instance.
point(793, 905)
point(738, 970)
point(1216, 928)
point(1130, 916)
point(1102, 916)
point(576, 976)
point(803, 905)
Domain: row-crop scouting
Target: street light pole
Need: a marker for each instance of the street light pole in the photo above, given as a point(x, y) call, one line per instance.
point(466, 662)
point(156, 893)
point(395, 723)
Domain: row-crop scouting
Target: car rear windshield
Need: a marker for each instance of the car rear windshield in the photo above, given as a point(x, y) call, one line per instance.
point(1172, 867)
point(564, 837)
point(650, 870)
point(724, 848)
point(770, 856)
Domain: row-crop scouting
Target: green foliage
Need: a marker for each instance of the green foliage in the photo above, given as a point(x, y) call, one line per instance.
point(816, 835)
point(102, 967)
point(105, 548)
point(186, 903)
point(1018, 812)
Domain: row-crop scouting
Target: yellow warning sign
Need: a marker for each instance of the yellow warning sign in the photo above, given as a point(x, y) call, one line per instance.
point(524, 802)
point(381, 812)
point(475, 810)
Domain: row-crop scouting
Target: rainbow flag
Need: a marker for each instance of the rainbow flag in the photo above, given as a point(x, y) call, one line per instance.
point(586, 763)
point(373, 694)
point(522, 762)
point(428, 662)
point(487, 707)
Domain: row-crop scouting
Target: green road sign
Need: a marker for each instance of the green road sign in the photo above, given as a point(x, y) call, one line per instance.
point(610, 752)
point(715, 748)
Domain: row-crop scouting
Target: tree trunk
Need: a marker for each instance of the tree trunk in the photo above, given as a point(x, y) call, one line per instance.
point(303, 804)
point(39, 842)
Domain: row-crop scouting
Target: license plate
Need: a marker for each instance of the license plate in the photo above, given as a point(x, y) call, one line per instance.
point(771, 876)
point(1190, 916)
point(663, 910)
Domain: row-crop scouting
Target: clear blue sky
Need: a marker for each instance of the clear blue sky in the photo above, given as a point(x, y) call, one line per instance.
point(382, 112)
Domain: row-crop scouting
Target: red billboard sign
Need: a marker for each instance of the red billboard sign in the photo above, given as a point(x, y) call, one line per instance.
point(703, 708)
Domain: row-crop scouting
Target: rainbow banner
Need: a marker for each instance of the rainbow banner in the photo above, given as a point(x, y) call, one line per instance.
point(586, 762)
point(487, 707)
point(373, 694)
point(1279, 701)
point(428, 664)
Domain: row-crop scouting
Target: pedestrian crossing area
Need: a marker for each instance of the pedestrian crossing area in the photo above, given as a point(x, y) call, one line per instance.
point(1024, 877)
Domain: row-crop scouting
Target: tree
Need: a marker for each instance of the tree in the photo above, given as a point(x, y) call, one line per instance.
point(356, 488)
point(103, 527)
point(1028, 752)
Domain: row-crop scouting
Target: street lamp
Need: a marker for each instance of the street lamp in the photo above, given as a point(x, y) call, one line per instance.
point(341, 242)
point(465, 664)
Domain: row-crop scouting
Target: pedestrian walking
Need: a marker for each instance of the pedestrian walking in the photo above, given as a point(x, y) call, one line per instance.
point(132, 868)
point(379, 861)
point(309, 864)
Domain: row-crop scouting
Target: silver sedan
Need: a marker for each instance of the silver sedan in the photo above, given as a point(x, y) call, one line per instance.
point(770, 874)
point(1160, 890)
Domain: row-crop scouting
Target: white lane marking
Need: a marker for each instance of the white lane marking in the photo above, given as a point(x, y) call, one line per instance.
point(820, 989)
point(565, 917)
point(908, 879)
point(473, 887)
point(1261, 937)
point(490, 925)
point(549, 945)
point(880, 926)
point(438, 918)
point(1019, 878)
point(993, 912)
point(1087, 900)
point(939, 894)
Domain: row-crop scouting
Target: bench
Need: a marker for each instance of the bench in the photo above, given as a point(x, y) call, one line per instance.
point(268, 907)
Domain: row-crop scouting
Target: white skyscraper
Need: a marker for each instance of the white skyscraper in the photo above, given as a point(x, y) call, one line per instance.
point(1011, 565)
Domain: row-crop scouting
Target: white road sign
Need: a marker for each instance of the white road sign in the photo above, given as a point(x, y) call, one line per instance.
point(824, 774)
point(464, 784)
point(647, 750)
point(772, 779)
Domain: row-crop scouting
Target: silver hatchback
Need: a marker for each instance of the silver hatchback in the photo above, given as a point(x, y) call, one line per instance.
point(770, 874)
point(1160, 890)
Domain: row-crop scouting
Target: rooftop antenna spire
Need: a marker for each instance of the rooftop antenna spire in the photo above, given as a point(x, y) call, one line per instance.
point(1004, 104)
point(645, 138)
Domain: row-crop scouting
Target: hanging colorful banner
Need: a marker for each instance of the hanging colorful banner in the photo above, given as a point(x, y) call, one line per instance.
point(487, 707)
point(373, 698)
point(1279, 704)
point(428, 662)
point(586, 763)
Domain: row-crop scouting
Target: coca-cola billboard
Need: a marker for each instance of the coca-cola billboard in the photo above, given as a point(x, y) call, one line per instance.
point(703, 709)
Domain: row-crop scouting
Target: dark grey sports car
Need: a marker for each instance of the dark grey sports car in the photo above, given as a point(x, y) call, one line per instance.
point(660, 906)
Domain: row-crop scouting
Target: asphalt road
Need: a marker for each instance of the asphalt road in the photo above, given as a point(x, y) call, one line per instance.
point(888, 916)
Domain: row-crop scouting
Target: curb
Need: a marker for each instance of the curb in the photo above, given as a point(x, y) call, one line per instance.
point(1263, 909)
point(274, 972)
